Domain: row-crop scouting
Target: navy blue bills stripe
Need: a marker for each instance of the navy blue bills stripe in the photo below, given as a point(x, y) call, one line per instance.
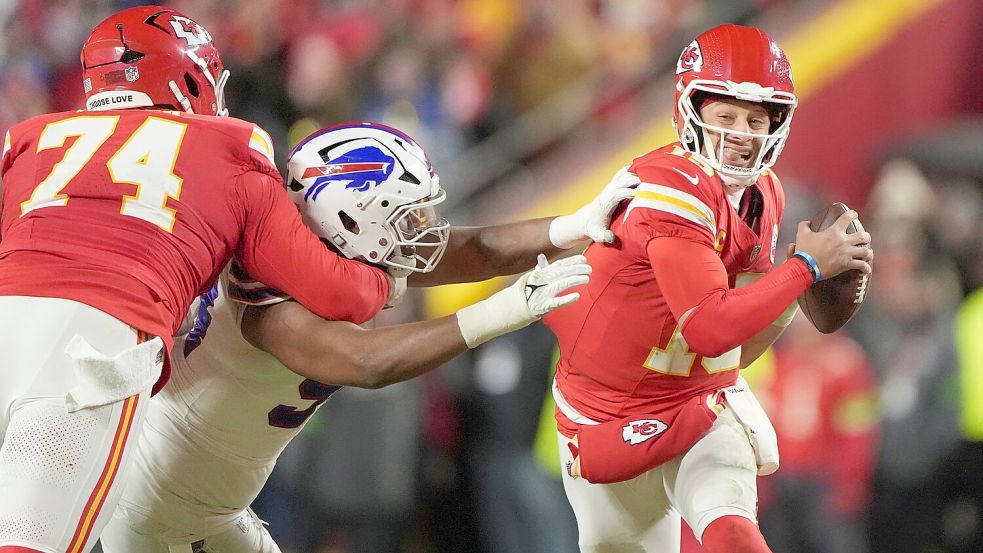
point(256, 295)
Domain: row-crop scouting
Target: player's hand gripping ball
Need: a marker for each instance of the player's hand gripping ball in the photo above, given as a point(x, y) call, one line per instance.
point(831, 302)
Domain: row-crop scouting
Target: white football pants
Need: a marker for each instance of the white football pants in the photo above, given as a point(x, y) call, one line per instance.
point(244, 533)
point(715, 478)
point(61, 461)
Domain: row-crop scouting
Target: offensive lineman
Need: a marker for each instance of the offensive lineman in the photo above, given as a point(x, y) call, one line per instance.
point(654, 421)
point(213, 436)
point(113, 220)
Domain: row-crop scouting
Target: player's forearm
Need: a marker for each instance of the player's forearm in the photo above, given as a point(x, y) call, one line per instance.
point(387, 355)
point(759, 343)
point(479, 253)
point(714, 318)
point(336, 352)
point(726, 319)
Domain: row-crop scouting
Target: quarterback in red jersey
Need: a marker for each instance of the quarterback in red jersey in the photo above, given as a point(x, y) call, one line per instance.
point(113, 220)
point(654, 421)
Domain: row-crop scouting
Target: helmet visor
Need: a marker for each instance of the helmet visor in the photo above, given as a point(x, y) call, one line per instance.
point(421, 235)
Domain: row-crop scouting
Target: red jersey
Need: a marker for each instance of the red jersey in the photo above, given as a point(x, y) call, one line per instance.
point(136, 212)
point(621, 349)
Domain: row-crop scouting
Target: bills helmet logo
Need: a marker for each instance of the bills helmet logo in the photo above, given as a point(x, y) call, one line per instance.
point(691, 59)
point(636, 432)
point(360, 169)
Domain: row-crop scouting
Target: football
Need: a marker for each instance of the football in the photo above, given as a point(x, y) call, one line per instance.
point(831, 302)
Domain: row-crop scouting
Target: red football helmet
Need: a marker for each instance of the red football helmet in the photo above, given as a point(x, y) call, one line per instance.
point(153, 56)
point(738, 62)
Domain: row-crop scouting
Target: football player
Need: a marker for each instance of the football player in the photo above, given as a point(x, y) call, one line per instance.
point(214, 434)
point(113, 220)
point(654, 422)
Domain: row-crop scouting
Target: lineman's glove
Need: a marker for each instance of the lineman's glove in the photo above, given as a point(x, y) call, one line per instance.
point(529, 298)
point(592, 220)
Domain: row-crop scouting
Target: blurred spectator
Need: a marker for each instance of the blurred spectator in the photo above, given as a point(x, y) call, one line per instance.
point(521, 507)
point(963, 518)
point(906, 327)
point(820, 396)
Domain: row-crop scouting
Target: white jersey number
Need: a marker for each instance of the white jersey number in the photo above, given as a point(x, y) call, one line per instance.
point(146, 160)
point(677, 360)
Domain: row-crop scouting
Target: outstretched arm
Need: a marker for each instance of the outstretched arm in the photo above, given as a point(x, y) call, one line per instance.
point(479, 253)
point(337, 352)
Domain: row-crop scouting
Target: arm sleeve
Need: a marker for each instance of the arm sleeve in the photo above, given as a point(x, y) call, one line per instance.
point(279, 251)
point(715, 319)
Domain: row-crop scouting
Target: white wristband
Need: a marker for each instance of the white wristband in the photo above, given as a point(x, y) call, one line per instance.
point(566, 231)
point(503, 312)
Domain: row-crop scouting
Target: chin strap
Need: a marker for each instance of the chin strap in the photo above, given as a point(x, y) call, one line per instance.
point(181, 98)
point(217, 86)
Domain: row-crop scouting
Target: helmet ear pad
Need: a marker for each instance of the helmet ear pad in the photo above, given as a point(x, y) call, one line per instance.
point(371, 192)
point(158, 57)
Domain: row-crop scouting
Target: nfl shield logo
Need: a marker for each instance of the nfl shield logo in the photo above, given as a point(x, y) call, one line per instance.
point(131, 74)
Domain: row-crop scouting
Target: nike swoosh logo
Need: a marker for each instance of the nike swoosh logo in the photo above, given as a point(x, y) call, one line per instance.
point(693, 179)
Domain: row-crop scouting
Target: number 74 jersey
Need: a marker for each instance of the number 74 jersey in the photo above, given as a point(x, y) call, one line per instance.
point(128, 198)
point(135, 212)
point(621, 349)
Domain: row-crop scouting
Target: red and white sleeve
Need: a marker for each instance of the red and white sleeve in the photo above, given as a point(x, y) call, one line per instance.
point(714, 318)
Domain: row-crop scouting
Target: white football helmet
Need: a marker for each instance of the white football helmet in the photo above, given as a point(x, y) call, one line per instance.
point(371, 192)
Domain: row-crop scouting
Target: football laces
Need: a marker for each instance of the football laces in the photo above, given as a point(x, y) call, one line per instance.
point(861, 289)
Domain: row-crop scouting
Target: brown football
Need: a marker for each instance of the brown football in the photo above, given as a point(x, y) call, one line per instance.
point(831, 302)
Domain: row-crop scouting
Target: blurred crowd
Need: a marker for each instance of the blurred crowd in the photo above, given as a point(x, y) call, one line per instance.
point(448, 72)
point(881, 438)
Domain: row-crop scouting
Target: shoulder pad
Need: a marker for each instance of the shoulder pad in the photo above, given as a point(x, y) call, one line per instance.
point(6, 145)
point(673, 184)
point(260, 141)
point(260, 144)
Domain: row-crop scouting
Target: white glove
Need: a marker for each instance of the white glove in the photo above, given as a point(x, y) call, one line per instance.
point(529, 298)
point(592, 220)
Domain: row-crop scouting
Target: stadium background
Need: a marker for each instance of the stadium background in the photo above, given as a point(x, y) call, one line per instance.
point(526, 108)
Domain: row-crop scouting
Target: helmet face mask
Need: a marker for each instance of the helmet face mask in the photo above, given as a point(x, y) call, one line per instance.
point(371, 193)
point(741, 63)
point(421, 234)
point(152, 56)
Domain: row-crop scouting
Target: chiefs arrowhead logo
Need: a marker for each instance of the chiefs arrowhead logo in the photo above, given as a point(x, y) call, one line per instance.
point(636, 432)
point(193, 33)
point(691, 59)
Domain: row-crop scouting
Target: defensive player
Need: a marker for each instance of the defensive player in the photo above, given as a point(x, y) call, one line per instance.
point(653, 419)
point(113, 220)
point(214, 434)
